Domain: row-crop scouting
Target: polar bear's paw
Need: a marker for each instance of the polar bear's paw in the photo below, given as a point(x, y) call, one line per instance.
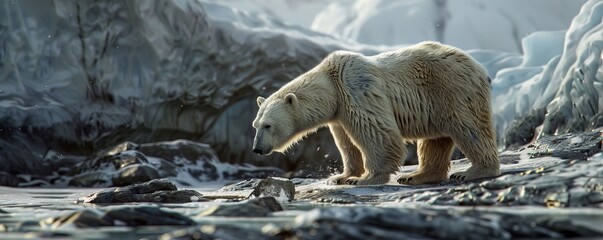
point(338, 179)
point(370, 179)
point(416, 178)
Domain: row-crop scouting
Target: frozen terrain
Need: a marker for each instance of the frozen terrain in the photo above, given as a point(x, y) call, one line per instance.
point(541, 194)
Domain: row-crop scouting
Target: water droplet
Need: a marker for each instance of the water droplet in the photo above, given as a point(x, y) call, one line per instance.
point(263, 88)
point(49, 36)
point(46, 86)
point(318, 149)
point(181, 105)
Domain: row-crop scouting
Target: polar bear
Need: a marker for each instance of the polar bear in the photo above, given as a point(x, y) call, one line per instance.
point(431, 93)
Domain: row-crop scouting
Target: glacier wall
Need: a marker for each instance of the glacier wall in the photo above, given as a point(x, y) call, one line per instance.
point(558, 86)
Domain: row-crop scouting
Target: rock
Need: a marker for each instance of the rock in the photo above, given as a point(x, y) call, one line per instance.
point(568, 146)
point(224, 232)
point(199, 97)
point(569, 184)
point(91, 179)
point(130, 163)
point(275, 187)
point(365, 222)
point(248, 184)
point(124, 216)
point(8, 180)
point(160, 190)
point(256, 207)
point(523, 129)
point(133, 174)
point(328, 196)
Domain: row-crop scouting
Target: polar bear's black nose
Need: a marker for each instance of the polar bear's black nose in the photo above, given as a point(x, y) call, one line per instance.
point(258, 151)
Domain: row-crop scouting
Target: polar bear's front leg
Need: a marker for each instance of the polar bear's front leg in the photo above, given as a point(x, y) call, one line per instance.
point(434, 161)
point(383, 151)
point(350, 155)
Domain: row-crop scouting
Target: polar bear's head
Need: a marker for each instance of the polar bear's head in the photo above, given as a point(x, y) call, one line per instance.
point(274, 124)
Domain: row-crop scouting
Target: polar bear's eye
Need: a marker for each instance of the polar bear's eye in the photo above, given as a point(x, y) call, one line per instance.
point(267, 126)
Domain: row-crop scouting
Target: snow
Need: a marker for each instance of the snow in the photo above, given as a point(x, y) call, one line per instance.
point(560, 71)
point(467, 24)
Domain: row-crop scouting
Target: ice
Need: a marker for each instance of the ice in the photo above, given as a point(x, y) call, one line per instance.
point(560, 72)
point(463, 23)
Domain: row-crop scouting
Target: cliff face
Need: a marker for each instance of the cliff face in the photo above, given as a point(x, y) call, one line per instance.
point(78, 76)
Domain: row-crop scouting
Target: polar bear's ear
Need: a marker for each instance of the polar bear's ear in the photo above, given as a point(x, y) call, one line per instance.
point(290, 98)
point(260, 100)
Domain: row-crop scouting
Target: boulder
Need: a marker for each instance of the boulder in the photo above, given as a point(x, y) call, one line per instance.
point(278, 188)
point(160, 190)
point(257, 207)
point(121, 216)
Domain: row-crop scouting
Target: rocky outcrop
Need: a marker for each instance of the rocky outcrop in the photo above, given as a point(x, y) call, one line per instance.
point(129, 163)
point(159, 191)
point(256, 207)
point(124, 216)
point(92, 74)
point(399, 223)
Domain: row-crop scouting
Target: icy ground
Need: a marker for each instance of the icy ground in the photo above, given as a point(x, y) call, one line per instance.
point(540, 194)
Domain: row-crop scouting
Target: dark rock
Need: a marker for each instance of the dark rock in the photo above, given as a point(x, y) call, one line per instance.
point(134, 174)
point(161, 190)
point(364, 222)
point(568, 146)
point(148, 216)
point(256, 207)
point(509, 158)
point(224, 232)
point(523, 129)
point(8, 180)
point(568, 184)
point(274, 187)
point(123, 216)
point(91, 179)
point(129, 163)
